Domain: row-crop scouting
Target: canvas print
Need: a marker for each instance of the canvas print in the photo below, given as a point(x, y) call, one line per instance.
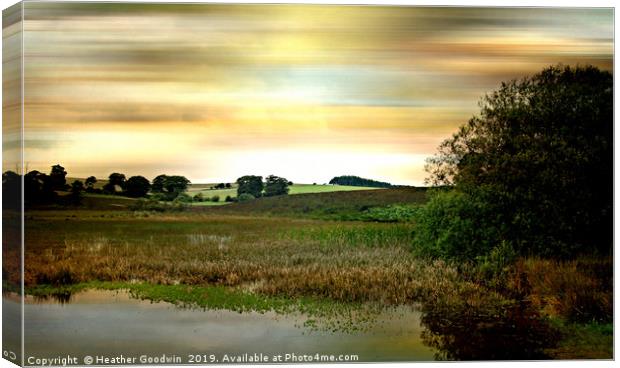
point(302, 183)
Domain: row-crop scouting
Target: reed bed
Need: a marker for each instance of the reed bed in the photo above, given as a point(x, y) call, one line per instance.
point(353, 262)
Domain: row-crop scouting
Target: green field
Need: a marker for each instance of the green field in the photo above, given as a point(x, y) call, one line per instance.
point(324, 188)
point(293, 189)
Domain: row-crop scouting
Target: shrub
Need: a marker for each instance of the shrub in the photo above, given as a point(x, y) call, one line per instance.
point(183, 198)
point(244, 197)
point(492, 269)
point(152, 205)
point(158, 197)
point(215, 198)
point(228, 199)
point(198, 197)
point(453, 225)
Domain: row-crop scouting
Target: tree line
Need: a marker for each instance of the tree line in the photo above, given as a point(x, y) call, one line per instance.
point(41, 188)
point(356, 181)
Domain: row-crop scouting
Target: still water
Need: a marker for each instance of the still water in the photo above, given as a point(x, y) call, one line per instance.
point(110, 323)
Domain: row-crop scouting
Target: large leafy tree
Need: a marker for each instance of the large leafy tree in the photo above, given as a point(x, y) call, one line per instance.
point(275, 185)
point(176, 184)
point(250, 184)
point(77, 187)
point(540, 156)
point(90, 183)
point(170, 186)
point(157, 185)
point(115, 180)
point(57, 178)
point(137, 186)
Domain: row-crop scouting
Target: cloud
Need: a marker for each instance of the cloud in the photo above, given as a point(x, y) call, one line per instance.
point(239, 78)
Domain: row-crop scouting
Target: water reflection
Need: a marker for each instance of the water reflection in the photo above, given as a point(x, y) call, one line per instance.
point(465, 332)
point(442, 331)
point(112, 322)
point(60, 298)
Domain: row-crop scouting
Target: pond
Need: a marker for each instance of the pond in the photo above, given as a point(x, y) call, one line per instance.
point(112, 323)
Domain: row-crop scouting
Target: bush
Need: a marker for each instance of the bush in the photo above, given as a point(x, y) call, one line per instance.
point(244, 197)
point(199, 198)
point(158, 197)
point(183, 198)
point(153, 205)
point(229, 199)
point(492, 269)
point(215, 198)
point(453, 225)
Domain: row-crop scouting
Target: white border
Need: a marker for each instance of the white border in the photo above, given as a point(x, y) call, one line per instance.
point(481, 3)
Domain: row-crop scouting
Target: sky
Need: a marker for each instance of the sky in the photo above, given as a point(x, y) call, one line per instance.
point(307, 92)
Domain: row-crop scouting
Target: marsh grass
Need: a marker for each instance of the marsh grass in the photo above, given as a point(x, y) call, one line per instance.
point(339, 275)
point(578, 291)
point(352, 262)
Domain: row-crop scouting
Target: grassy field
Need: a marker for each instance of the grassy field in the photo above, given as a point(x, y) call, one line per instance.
point(293, 189)
point(324, 188)
point(295, 253)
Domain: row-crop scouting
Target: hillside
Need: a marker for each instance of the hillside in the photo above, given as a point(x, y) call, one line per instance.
point(330, 205)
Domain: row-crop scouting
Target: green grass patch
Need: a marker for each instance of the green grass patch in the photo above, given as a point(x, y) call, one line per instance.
point(324, 188)
point(208, 193)
point(392, 213)
point(209, 203)
point(293, 189)
point(320, 313)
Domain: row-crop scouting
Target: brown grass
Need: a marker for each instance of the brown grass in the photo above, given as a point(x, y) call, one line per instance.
point(578, 291)
point(342, 261)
